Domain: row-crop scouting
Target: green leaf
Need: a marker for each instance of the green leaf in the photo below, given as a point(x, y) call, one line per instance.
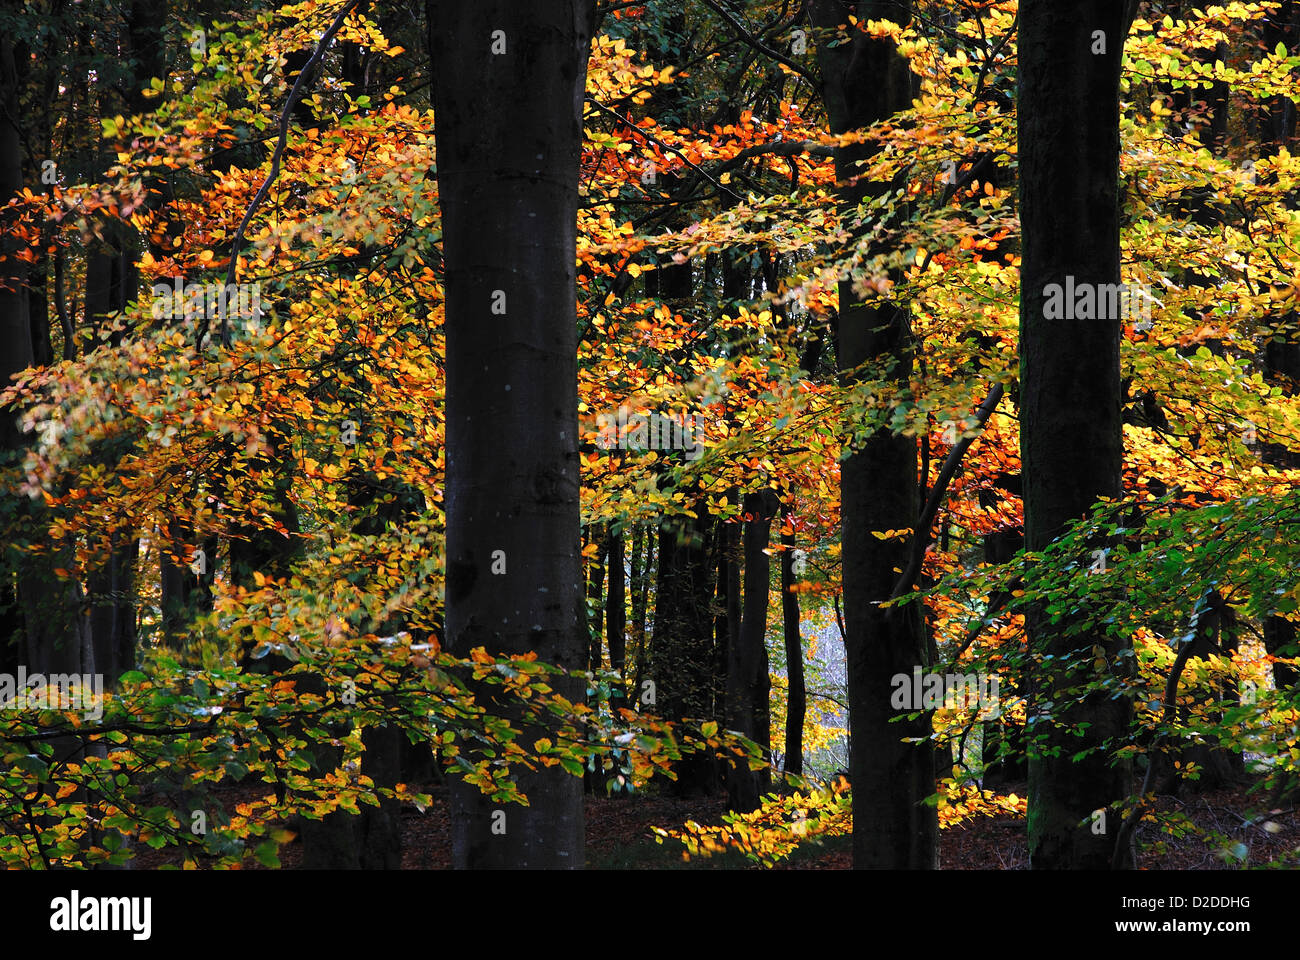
point(573, 766)
point(268, 854)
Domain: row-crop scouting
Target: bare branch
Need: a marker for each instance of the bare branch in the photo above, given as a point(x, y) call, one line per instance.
point(669, 147)
point(759, 45)
point(921, 537)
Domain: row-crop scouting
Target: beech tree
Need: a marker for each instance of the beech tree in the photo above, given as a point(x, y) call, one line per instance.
point(508, 89)
point(1071, 436)
point(796, 225)
point(864, 82)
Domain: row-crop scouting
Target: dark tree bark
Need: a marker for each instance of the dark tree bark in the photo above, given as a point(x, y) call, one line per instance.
point(509, 136)
point(796, 697)
point(748, 682)
point(16, 353)
point(111, 283)
point(112, 616)
point(615, 631)
point(616, 607)
point(1282, 351)
point(11, 623)
point(38, 306)
point(255, 548)
point(1205, 111)
point(639, 582)
point(686, 664)
point(865, 81)
point(595, 591)
point(1214, 634)
point(54, 629)
point(592, 779)
point(1282, 364)
point(371, 839)
point(186, 585)
point(1279, 116)
point(726, 624)
point(681, 664)
point(1071, 441)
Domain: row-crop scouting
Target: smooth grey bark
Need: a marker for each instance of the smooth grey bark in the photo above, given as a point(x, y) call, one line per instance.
point(509, 137)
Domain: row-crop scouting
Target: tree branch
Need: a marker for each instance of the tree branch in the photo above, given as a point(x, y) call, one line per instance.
point(666, 146)
point(233, 270)
point(759, 45)
point(1166, 717)
point(778, 148)
point(921, 537)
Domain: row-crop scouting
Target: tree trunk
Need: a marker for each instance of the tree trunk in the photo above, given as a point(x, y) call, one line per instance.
point(54, 628)
point(111, 283)
point(509, 137)
point(748, 682)
point(642, 545)
point(1279, 116)
point(865, 81)
point(1071, 442)
point(616, 610)
point(796, 696)
point(726, 625)
point(1282, 351)
point(1214, 634)
point(595, 591)
point(112, 617)
point(16, 352)
point(681, 665)
point(592, 779)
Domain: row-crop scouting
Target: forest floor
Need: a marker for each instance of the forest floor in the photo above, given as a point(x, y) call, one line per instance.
point(619, 835)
